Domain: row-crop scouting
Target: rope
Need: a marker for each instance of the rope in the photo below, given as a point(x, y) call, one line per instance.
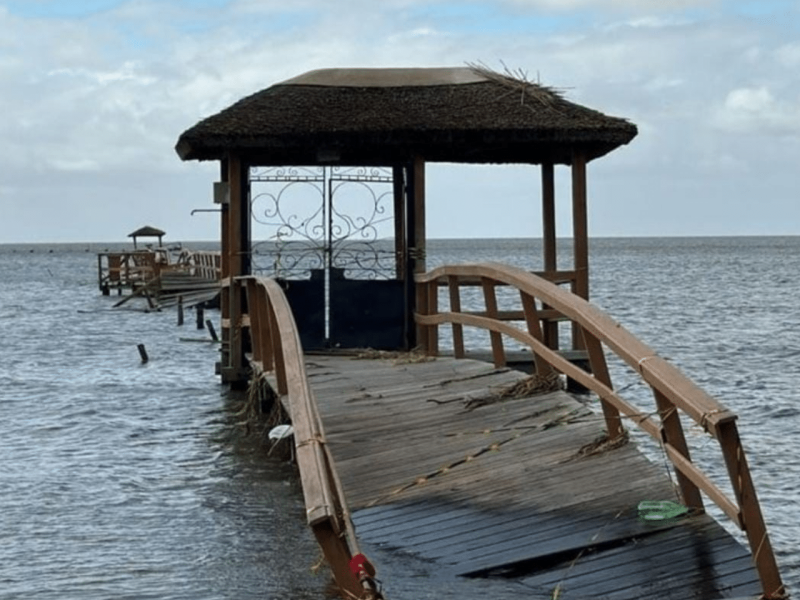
point(642, 361)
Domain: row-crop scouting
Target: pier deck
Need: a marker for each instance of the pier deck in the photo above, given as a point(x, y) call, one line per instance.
point(509, 494)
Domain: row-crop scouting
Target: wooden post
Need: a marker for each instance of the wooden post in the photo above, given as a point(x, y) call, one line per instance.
point(142, 353)
point(398, 181)
point(580, 224)
point(535, 329)
point(672, 433)
point(225, 271)
point(418, 180)
point(180, 311)
point(415, 246)
point(433, 308)
point(211, 331)
point(201, 322)
point(549, 241)
point(580, 235)
point(599, 367)
point(490, 298)
point(754, 525)
point(455, 307)
point(237, 236)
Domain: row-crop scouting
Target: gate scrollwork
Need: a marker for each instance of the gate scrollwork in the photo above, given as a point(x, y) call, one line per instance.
point(322, 217)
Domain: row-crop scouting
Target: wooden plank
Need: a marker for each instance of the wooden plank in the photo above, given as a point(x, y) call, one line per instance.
point(525, 505)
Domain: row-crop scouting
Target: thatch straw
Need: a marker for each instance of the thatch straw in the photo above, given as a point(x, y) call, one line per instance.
point(398, 358)
point(524, 388)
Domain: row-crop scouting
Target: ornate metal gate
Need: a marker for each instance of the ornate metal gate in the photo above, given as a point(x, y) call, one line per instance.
point(327, 234)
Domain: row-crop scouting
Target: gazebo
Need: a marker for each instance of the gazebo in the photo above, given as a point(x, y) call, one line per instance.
point(146, 231)
point(397, 119)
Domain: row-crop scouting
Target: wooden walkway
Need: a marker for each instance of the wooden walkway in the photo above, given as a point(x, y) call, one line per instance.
point(508, 499)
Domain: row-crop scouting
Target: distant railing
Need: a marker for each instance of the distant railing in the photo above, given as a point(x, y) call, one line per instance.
point(135, 268)
point(203, 264)
point(276, 347)
point(128, 269)
point(542, 303)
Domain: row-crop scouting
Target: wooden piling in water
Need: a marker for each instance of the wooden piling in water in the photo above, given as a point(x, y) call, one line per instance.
point(180, 311)
point(143, 353)
point(211, 330)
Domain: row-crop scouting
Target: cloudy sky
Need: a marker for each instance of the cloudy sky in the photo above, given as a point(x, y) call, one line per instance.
point(96, 92)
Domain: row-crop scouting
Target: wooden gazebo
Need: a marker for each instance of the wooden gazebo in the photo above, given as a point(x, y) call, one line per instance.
point(399, 119)
point(147, 232)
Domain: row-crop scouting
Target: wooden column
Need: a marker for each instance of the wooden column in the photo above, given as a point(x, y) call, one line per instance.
point(580, 226)
point(417, 228)
point(225, 270)
point(580, 232)
point(237, 252)
point(549, 240)
point(398, 180)
point(549, 217)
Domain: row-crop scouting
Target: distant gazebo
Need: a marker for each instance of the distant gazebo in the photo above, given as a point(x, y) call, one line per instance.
point(146, 231)
point(397, 119)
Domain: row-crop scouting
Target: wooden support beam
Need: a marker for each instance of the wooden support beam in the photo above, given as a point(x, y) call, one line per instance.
point(455, 306)
point(599, 367)
point(533, 321)
point(398, 181)
point(416, 228)
point(754, 525)
point(580, 230)
point(580, 227)
point(549, 240)
point(672, 432)
point(225, 271)
point(490, 298)
point(238, 237)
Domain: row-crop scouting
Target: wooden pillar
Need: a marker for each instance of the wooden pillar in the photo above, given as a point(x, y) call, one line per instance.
point(580, 233)
point(580, 226)
point(225, 270)
point(238, 263)
point(417, 229)
point(398, 180)
point(549, 217)
point(549, 240)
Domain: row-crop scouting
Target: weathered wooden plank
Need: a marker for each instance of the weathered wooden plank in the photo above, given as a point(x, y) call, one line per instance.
point(526, 507)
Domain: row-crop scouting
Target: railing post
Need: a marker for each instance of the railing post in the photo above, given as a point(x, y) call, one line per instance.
point(490, 299)
point(599, 367)
point(754, 526)
point(455, 307)
point(422, 309)
point(277, 352)
point(266, 331)
point(672, 434)
point(433, 308)
point(535, 329)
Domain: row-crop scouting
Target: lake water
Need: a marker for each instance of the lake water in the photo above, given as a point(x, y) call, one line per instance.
point(128, 480)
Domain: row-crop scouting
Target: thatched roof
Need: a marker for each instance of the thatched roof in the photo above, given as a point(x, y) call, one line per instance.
point(384, 116)
point(147, 231)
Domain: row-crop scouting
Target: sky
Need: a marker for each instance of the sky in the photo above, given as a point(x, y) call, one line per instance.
point(95, 93)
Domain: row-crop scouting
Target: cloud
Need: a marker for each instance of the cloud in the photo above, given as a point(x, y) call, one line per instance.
point(95, 100)
point(756, 110)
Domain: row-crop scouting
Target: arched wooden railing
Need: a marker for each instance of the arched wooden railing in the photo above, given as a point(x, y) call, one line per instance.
point(276, 347)
point(542, 301)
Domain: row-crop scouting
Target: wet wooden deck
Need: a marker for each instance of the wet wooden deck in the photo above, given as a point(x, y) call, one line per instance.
point(504, 499)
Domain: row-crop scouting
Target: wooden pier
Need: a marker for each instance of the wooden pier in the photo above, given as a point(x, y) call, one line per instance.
point(193, 277)
point(431, 461)
point(517, 489)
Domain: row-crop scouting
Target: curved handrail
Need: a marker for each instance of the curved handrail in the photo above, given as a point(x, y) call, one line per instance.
point(276, 346)
point(672, 390)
